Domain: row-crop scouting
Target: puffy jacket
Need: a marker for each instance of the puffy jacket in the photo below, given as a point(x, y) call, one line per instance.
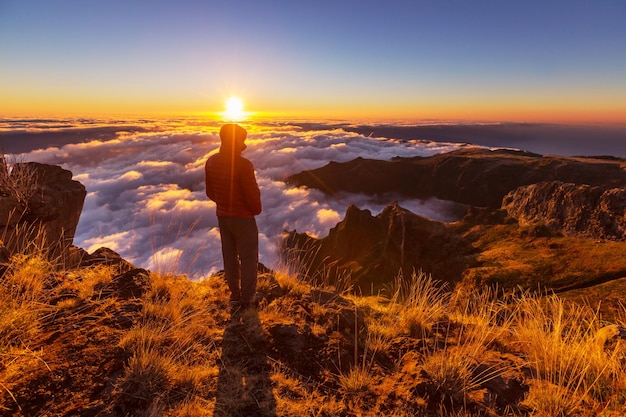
point(231, 183)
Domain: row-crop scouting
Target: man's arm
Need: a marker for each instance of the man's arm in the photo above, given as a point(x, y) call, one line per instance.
point(210, 190)
point(251, 192)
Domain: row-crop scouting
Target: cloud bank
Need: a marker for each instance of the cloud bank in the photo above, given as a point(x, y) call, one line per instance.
point(146, 196)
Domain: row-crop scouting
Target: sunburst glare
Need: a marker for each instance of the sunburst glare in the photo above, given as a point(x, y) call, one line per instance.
point(234, 110)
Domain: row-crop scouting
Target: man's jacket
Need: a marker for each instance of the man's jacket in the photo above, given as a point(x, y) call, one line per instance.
point(231, 183)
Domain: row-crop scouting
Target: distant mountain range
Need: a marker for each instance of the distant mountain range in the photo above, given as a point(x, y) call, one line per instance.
point(543, 138)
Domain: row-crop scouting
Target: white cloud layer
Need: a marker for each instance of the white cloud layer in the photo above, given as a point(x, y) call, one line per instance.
point(146, 195)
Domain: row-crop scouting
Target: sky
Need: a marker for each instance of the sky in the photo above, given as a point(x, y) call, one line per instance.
point(531, 61)
point(146, 194)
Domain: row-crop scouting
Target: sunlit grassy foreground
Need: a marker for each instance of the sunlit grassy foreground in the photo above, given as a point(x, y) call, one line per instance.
point(417, 349)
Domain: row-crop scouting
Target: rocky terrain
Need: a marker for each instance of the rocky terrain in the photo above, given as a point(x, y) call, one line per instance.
point(534, 221)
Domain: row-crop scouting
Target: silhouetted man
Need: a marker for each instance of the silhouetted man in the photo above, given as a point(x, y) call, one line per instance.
point(231, 183)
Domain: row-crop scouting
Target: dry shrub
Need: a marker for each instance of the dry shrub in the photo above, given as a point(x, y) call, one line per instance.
point(146, 378)
point(483, 317)
point(26, 277)
point(357, 379)
point(450, 370)
point(417, 303)
point(474, 323)
point(17, 180)
point(292, 286)
point(549, 400)
point(19, 323)
point(84, 282)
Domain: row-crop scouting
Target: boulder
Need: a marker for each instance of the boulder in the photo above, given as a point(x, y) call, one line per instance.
point(336, 312)
point(106, 256)
point(39, 203)
point(592, 211)
point(131, 284)
point(291, 342)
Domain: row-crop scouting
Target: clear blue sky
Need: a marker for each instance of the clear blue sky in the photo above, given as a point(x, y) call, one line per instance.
point(514, 60)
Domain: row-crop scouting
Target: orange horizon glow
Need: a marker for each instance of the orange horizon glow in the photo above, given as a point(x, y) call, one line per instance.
point(550, 112)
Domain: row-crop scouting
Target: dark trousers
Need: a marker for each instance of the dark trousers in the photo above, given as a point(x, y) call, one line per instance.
point(240, 251)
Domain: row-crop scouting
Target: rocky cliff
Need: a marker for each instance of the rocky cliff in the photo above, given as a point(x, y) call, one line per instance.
point(598, 212)
point(40, 203)
point(475, 176)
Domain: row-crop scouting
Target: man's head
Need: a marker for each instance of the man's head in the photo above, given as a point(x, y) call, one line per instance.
point(233, 136)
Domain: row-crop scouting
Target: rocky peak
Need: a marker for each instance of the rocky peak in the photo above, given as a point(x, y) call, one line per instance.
point(373, 250)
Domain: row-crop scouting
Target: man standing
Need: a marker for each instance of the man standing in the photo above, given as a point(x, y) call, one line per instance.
point(231, 183)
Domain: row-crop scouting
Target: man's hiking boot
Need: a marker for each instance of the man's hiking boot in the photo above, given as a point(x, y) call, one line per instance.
point(248, 305)
point(235, 306)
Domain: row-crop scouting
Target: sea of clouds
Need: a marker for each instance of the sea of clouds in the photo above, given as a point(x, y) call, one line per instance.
point(146, 198)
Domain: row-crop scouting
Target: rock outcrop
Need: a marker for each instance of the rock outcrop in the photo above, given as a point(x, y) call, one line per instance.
point(474, 176)
point(39, 203)
point(598, 212)
point(371, 251)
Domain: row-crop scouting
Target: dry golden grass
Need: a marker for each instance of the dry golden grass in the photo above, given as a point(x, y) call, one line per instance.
point(174, 348)
point(563, 343)
point(23, 302)
point(292, 286)
point(418, 343)
point(410, 307)
point(23, 305)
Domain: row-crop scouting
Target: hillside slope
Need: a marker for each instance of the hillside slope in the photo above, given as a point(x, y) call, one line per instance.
point(112, 340)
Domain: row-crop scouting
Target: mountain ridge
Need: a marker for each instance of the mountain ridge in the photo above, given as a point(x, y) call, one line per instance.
point(475, 176)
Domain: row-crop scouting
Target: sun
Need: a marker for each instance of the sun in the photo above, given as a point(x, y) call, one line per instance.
point(234, 109)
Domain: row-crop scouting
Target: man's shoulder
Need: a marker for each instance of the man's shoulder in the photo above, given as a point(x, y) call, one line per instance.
point(213, 158)
point(219, 159)
point(246, 163)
